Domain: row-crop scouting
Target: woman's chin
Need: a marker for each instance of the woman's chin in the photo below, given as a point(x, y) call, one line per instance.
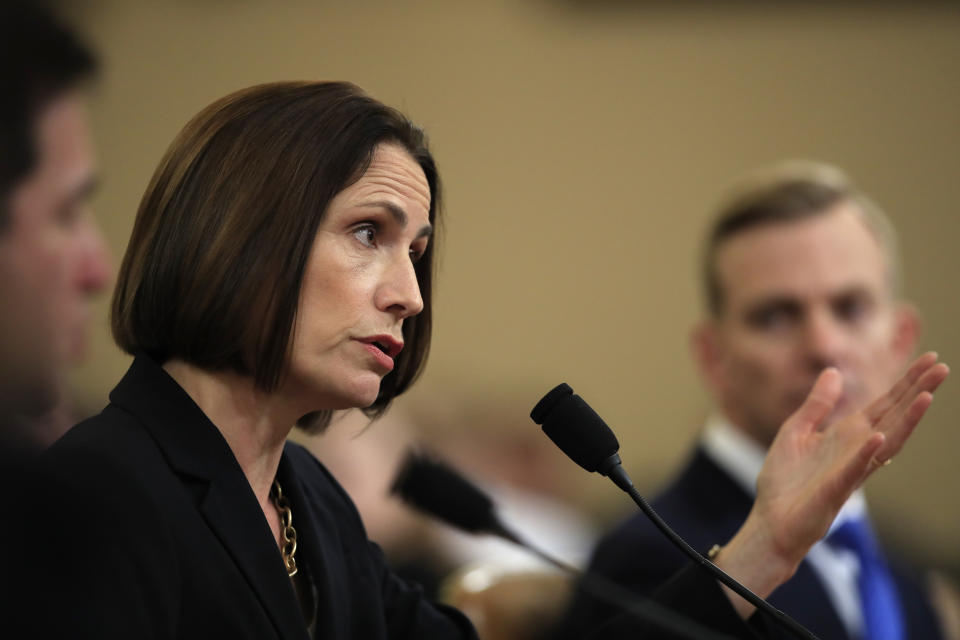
point(354, 392)
point(361, 395)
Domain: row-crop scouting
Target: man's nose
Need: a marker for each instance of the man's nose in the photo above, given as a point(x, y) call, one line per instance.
point(823, 339)
point(94, 267)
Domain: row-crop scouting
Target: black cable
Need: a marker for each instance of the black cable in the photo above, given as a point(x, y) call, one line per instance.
point(643, 608)
point(622, 480)
point(432, 487)
point(582, 434)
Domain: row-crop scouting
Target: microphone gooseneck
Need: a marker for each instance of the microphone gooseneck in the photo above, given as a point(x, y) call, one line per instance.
point(586, 439)
point(432, 487)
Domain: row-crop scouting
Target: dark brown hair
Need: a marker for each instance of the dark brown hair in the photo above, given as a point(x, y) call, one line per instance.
point(213, 271)
point(40, 59)
point(783, 193)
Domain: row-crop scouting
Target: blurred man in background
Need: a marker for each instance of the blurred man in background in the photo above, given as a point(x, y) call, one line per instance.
point(800, 273)
point(52, 257)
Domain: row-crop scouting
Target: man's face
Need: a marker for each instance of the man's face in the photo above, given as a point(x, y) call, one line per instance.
point(52, 259)
point(798, 297)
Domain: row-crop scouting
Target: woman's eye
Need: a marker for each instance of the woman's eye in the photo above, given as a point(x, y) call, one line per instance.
point(416, 254)
point(367, 235)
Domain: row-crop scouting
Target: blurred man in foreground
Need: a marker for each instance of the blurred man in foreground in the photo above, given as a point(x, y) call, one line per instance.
point(800, 273)
point(52, 256)
point(52, 259)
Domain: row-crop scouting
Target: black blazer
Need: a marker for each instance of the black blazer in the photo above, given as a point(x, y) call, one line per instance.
point(152, 531)
point(161, 536)
point(706, 507)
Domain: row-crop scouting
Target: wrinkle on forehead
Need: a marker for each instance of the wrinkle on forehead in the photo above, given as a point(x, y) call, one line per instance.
point(393, 172)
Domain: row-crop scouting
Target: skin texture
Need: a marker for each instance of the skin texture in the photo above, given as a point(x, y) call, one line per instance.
point(799, 297)
point(359, 282)
point(52, 260)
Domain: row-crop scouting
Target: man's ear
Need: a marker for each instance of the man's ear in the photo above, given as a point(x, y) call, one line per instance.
point(707, 351)
point(906, 331)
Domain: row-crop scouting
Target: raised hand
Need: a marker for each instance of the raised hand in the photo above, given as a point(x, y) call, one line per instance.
point(812, 468)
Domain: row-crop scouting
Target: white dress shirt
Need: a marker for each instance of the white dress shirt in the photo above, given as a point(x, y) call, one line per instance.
point(741, 458)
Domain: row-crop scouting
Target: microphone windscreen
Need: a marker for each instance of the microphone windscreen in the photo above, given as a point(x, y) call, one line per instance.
point(575, 427)
point(434, 488)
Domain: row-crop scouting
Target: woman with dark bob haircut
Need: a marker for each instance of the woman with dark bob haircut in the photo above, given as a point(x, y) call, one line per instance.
point(280, 268)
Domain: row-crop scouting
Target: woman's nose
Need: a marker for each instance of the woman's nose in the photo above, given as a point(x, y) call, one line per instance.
point(400, 291)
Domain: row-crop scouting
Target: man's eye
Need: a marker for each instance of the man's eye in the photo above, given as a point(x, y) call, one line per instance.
point(69, 214)
point(367, 235)
point(771, 319)
point(851, 309)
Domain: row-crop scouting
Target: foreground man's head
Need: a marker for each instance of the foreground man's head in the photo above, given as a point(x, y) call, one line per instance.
point(52, 257)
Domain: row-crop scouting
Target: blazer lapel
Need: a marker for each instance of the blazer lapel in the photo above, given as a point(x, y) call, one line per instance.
point(310, 518)
point(234, 515)
point(196, 449)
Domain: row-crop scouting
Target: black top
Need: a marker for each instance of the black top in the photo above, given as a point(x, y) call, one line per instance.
point(152, 531)
point(167, 539)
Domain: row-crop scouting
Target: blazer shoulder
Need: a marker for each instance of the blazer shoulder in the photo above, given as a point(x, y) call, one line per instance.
point(109, 460)
point(113, 539)
point(113, 433)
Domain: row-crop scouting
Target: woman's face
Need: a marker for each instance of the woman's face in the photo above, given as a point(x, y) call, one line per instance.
point(360, 284)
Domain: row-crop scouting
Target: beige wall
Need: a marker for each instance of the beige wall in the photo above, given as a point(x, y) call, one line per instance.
point(581, 151)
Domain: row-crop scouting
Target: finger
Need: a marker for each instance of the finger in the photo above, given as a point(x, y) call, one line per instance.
point(929, 382)
point(820, 401)
point(933, 378)
point(876, 410)
point(856, 470)
point(897, 436)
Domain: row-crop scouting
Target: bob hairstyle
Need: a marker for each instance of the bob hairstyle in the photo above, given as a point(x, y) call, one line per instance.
point(215, 264)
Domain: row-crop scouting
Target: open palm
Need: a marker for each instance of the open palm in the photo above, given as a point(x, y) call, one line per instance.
point(811, 468)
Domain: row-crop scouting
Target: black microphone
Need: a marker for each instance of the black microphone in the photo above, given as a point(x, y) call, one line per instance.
point(580, 433)
point(432, 487)
point(586, 439)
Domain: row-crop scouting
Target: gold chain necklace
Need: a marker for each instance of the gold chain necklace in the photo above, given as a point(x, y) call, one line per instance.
point(288, 548)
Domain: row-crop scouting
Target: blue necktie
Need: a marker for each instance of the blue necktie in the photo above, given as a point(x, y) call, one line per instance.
point(882, 616)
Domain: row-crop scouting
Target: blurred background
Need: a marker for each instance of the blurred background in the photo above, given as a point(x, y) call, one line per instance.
point(583, 146)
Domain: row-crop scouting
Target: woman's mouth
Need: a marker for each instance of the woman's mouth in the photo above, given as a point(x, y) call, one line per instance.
point(383, 348)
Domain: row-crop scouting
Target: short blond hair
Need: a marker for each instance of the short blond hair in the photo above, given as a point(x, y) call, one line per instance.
point(784, 192)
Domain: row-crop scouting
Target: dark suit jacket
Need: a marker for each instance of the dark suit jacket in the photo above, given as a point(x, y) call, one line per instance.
point(162, 536)
point(706, 507)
